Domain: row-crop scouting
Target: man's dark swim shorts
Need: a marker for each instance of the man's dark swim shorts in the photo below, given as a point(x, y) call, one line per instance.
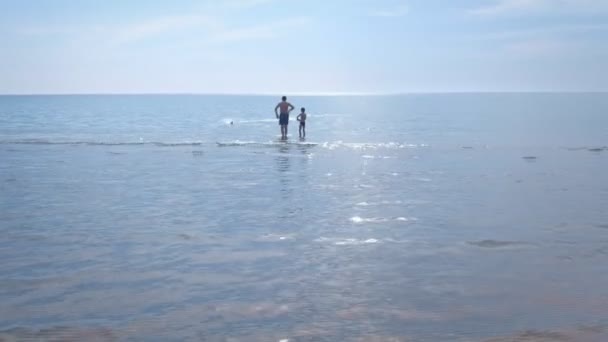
point(284, 119)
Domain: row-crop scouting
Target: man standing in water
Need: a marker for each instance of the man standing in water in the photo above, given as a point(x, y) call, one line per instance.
point(285, 108)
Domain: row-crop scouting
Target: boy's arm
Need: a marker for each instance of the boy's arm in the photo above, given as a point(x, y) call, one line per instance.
point(299, 117)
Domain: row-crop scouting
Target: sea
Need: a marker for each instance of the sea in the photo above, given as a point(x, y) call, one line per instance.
point(416, 217)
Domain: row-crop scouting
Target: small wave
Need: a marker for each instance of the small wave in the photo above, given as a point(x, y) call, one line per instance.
point(397, 202)
point(358, 219)
point(348, 241)
point(367, 156)
point(247, 121)
point(497, 243)
point(588, 148)
point(234, 143)
point(275, 237)
point(99, 143)
point(185, 143)
point(355, 242)
point(368, 204)
point(364, 186)
point(370, 146)
point(240, 143)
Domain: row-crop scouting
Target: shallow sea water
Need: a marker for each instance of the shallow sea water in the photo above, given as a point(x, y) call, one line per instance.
point(465, 217)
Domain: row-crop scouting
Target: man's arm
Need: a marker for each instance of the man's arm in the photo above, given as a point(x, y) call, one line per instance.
point(291, 107)
point(275, 111)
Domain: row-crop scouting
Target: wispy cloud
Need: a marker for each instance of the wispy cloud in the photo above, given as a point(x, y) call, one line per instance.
point(540, 48)
point(399, 11)
point(155, 27)
point(555, 30)
point(45, 30)
point(506, 6)
point(213, 29)
point(263, 31)
point(244, 4)
point(210, 29)
point(503, 7)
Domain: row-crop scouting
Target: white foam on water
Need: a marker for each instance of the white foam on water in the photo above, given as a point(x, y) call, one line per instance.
point(369, 146)
point(326, 115)
point(356, 219)
point(236, 143)
point(246, 121)
point(406, 219)
point(368, 156)
point(352, 242)
point(359, 219)
point(139, 142)
point(264, 144)
point(366, 204)
point(276, 237)
point(348, 241)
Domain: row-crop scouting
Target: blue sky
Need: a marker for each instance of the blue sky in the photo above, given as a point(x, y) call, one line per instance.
point(313, 46)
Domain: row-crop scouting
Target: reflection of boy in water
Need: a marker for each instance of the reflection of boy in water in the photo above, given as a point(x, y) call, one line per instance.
point(302, 118)
point(285, 107)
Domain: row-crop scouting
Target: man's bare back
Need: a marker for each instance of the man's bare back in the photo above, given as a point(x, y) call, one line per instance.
point(284, 106)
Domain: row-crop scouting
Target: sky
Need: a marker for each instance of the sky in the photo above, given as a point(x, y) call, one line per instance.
point(303, 47)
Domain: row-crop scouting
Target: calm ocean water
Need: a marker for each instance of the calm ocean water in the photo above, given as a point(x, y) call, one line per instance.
point(465, 217)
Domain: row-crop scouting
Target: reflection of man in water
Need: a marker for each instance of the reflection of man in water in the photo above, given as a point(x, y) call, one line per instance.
point(285, 108)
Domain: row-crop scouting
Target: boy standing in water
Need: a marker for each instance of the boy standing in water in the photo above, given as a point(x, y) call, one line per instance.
point(302, 118)
point(285, 107)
